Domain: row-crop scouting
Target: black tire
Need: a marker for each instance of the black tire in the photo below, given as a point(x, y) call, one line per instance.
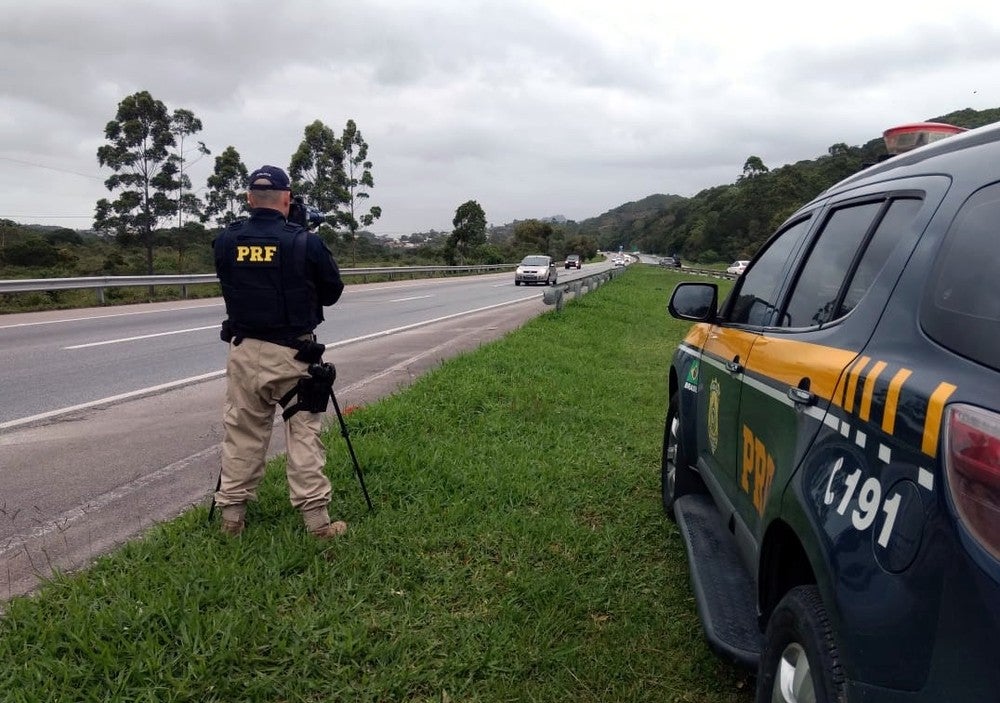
point(677, 478)
point(800, 662)
point(517, 283)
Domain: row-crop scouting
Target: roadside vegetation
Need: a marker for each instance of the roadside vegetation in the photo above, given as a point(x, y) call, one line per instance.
point(156, 224)
point(517, 551)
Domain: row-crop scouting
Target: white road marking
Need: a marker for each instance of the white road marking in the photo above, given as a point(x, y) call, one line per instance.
point(142, 336)
point(115, 314)
point(63, 519)
point(219, 374)
point(412, 297)
point(111, 399)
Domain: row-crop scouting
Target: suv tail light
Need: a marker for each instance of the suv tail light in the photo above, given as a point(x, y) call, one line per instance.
point(972, 460)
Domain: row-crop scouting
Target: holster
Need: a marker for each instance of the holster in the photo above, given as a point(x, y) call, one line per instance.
point(309, 351)
point(312, 392)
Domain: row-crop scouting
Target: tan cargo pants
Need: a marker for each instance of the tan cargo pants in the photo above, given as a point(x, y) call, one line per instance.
point(258, 374)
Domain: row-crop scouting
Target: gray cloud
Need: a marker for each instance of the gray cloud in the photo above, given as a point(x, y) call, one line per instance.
point(532, 108)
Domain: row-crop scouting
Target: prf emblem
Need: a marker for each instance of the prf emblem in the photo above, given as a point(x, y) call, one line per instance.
point(256, 254)
point(714, 393)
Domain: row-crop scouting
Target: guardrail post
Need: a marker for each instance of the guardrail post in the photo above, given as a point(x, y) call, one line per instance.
point(100, 296)
point(553, 296)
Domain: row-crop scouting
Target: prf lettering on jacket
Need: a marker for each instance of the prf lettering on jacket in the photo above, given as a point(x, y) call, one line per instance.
point(255, 253)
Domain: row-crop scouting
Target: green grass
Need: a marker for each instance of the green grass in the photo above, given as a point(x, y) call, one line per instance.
point(518, 551)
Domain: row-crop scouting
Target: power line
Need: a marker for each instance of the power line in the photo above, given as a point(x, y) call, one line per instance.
point(48, 217)
point(50, 168)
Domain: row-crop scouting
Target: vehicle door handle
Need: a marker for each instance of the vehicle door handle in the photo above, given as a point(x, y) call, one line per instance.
point(801, 395)
point(734, 366)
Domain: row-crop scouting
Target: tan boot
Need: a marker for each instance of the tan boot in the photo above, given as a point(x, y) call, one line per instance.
point(334, 529)
point(232, 519)
point(233, 528)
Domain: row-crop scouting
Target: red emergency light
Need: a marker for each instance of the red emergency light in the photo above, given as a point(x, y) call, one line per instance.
point(910, 136)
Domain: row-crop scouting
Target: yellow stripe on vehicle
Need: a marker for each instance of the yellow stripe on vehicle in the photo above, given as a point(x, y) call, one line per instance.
point(789, 362)
point(730, 345)
point(866, 394)
point(892, 400)
point(697, 335)
point(932, 422)
point(783, 360)
point(852, 382)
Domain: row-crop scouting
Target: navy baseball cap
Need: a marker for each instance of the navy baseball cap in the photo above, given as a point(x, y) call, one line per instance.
point(275, 177)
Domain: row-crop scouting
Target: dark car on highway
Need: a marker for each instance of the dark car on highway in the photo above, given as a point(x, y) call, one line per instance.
point(573, 261)
point(671, 262)
point(831, 452)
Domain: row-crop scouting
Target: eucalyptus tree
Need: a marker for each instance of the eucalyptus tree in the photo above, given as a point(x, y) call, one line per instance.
point(184, 124)
point(138, 151)
point(469, 231)
point(317, 170)
point(227, 188)
point(359, 179)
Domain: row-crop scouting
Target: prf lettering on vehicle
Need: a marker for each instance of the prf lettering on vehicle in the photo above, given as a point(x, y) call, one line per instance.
point(758, 464)
point(256, 254)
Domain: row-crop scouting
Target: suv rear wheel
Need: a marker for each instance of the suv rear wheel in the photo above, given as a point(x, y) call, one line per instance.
point(800, 662)
point(677, 478)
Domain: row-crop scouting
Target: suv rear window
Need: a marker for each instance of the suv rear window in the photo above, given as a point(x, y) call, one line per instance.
point(961, 310)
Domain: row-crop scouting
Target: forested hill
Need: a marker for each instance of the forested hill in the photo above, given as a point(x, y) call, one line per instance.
point(625, 215)
point(731, 221)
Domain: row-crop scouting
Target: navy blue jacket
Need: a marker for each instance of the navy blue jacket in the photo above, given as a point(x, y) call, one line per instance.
point(276, 277)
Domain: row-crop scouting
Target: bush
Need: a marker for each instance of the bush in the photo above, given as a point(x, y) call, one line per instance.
point(31, 251)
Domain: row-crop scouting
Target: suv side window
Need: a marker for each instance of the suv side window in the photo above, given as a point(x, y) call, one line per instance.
point(901, 214)
point(843, 241)
point(815, 295)
point(961, 310)
point(757, 291)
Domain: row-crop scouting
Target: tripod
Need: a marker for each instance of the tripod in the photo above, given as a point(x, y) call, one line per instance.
point(344, 433)
point(313, 393)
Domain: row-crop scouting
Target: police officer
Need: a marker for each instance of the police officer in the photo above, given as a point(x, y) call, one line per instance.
point(276, 278)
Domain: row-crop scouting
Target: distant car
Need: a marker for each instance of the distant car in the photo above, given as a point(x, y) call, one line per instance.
point(670, 262)
point(573, 261)
point(536, 268)
point(738, 267)
point(618, 263)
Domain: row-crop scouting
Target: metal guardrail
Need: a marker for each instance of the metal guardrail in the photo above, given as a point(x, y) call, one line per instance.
point(554, 295)
point(714, 273)
point(100, 283)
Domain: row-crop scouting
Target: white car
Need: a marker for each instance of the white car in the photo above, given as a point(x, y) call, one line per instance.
point(536, 268)
point(738, 267)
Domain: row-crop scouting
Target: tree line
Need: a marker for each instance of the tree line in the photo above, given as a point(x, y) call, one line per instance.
point(148, 150)
point(156, 211)
point(729, 222)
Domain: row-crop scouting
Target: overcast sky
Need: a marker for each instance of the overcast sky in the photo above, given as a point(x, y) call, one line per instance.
point(530, 107)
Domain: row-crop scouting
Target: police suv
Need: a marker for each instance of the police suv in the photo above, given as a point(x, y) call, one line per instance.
point(831, 453)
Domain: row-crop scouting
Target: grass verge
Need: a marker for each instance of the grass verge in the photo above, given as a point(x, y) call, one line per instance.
point(518, 551)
